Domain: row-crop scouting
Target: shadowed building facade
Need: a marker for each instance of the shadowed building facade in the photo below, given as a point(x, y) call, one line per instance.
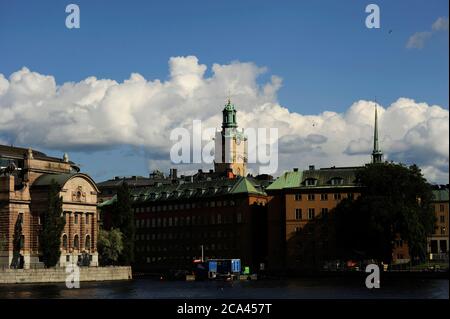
point(438, 241)
point(296, 200)
point(25, 178)
point(227, 217)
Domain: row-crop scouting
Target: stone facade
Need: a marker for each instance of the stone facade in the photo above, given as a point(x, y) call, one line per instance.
point(23, 199)
point(17, 276)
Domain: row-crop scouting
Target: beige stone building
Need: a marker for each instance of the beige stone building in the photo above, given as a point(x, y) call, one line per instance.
point(25, 176)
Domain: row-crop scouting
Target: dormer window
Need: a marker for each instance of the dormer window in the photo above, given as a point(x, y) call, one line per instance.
point(311, 182)
point(337, 181)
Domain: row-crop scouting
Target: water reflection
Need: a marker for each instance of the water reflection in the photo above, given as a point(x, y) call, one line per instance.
point(324, 288)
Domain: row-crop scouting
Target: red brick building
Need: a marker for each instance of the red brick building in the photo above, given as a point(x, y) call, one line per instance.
point(25, 176)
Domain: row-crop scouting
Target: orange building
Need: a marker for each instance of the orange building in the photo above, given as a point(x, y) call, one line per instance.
point(296, 199)
point(438, 242)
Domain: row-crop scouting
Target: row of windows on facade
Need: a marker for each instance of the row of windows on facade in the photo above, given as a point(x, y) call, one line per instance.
point(181, 248)
point(334, 181)
point(442, 230)
point(188, 221)
point(311, 213)
point(172, 259)
point(188, 235)
point(323, 196)
point(87, 218)
point(76, 242)
point(441, 208)
point(171, 207)
point(77, 216)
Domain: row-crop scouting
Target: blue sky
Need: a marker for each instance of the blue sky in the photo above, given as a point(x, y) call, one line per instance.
point(322, 50)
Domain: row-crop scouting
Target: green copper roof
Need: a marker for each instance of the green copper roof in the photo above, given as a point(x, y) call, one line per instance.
point(108, 202)
point(440, 195)
point(287, 180)
point(377, 155)
point(197, 190)
point(321, 178)
point(244, 185)
point(229, 116)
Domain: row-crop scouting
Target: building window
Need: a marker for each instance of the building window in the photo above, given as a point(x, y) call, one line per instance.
point(311, 196)
point(323, 196)
point(87, 244)
point(442, 219)
point(76, 242)
point(311, 213)
point(350, 196)
point(298, 213)
point(87, 219)
point(298, 196)
point(442, 230)
point(64, 241)
point(75, 221)
point(219, 219)
point(441, 208)
point(311, 182)
point(239, 218)
point(297, 230)
point(337, 181)
point(324, 212)
point(337, 196)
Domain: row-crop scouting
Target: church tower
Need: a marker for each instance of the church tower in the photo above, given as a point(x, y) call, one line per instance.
point(230, 145)
point(377, 155)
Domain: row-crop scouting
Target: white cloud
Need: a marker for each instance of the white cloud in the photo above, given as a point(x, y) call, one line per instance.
point(441, 24)
point(96, 113)
point(418, 39)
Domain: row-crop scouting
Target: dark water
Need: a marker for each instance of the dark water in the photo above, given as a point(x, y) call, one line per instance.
point(322, 288)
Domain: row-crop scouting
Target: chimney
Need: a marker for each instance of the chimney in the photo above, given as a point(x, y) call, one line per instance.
point(311, 167)
point(173, 173)
point(295, 169)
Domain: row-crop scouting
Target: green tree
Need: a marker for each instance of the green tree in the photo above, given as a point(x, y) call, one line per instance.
point(52, 227)
point(123, 219)
point(110, 246)
point(395, 201)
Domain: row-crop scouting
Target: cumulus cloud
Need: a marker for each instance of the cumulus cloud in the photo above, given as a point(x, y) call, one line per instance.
point(441, 24)
point(418, 39)
point(96, 114)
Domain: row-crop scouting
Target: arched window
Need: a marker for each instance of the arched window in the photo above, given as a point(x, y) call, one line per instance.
point(87, 243)
point(64, 241)
point(76, 242)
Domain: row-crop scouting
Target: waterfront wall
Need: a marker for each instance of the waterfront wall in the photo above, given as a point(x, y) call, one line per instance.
point(16, 276)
